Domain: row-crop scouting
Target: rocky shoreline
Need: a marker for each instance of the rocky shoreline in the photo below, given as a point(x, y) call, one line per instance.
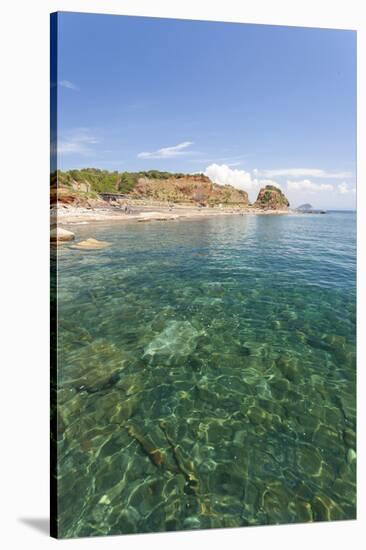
point(148, 211)
point(69, 215)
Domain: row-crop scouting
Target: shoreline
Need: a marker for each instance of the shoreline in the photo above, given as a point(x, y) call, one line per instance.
point(72, 215)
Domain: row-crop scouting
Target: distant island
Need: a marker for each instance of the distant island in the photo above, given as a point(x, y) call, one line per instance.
point(305, 207)
point(308, 209)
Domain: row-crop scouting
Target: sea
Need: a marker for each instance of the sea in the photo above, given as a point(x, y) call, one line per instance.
point(206, 374)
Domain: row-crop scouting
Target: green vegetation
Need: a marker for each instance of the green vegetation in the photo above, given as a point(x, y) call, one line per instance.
point(157, 175)
point(103, 181)
point(273, 188)
point(99, 180)
point(173, 187)
point(127, 182)
point(271, 197)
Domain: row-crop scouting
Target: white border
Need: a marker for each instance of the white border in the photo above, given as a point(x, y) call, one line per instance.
point(24, 36)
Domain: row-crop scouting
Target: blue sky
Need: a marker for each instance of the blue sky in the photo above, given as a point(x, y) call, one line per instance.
point(246, 104)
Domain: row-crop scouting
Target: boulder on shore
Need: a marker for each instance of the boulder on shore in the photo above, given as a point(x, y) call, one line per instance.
point(90, 244)
point(59, 234)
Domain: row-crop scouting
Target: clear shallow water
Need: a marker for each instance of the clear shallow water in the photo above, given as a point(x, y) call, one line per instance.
point(207, 374)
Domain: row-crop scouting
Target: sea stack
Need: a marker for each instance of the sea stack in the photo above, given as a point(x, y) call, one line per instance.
point(271, 198)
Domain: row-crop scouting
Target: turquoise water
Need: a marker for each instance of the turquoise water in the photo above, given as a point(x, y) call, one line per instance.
point(206, 374)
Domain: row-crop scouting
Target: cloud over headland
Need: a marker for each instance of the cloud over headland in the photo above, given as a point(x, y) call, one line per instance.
point(222, 174)
point(296, 186)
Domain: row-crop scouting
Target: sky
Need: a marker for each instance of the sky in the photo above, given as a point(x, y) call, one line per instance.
point(248, 105)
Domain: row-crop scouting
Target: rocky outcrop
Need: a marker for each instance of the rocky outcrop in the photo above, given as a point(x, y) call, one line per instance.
point(157, 216)
point(59, 234)
point(90, 244)
point(190, 189)
point(271, 198)
point(71, 197)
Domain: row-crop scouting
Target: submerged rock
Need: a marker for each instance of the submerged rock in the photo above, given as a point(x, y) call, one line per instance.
point(155, 216)
point(349, 438)
point(275, 502)
point(177, 340)
point(156, 454)
point(59, 234)
point(309, 461)
point(90, 244)
point(325, 509)
point(289, 368)
point(192, 523)
point(318, 343)
point(301, 510)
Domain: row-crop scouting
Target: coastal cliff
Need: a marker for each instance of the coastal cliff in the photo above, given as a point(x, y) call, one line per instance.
point(75, 186)
point(91, 188)
point(197, 189)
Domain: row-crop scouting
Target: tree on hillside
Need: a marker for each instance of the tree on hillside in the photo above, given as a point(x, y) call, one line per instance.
point(127, 182)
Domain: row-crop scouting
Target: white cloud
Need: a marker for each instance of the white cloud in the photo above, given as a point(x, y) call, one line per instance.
point(222, 174)
point(344, 189)
point(304, 173)
point(308, 185)
point(69, 85)
point(78, 141)
point(167, 152)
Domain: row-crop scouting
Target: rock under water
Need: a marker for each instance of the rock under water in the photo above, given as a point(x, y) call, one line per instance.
point(90, 244)
point(177, 340)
